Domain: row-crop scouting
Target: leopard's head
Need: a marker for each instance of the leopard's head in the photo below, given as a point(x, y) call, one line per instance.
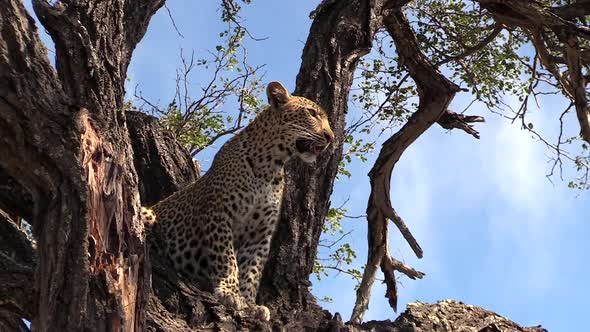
point(304, 123)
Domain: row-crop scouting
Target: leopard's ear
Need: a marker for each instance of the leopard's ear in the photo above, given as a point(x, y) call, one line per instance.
point(277, 94)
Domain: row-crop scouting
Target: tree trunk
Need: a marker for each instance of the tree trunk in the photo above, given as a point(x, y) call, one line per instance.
point(65, 144)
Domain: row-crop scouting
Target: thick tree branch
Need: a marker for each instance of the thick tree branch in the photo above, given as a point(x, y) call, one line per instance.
point(435, 93)
point(578, 84)
point(29, 127)
point(163, 165)
point(65, 142)
point(12, 323)
point(14, 198)
point(473, 49)
point(91, 57)
point(547, 61)
point(42, 159)
point(531, 15)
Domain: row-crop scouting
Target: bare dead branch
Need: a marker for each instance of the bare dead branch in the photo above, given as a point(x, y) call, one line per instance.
point(388, 266)
point(389, 213)
point(435, 93)
point(393, 264)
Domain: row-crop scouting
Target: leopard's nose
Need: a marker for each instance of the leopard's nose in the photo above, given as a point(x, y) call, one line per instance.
point(329, 136)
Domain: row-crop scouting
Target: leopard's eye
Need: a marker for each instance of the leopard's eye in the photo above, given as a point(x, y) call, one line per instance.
point(313, 112)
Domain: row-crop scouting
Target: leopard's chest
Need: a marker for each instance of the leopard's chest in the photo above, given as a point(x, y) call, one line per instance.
point(269, 194)
point(261, 209)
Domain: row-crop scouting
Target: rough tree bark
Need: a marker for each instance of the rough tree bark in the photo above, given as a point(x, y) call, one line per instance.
point(17, 263)
point(65, 144)
point(163, 165)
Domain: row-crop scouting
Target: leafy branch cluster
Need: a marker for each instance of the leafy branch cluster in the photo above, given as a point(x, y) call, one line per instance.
point(198, 121)
point(560, 65)
point(460, 39)
point(478, 52)
point(334, 254)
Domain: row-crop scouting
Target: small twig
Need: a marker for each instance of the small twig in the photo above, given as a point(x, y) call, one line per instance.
point(388, 265)
point(474, 49)
point(231, 14)
point(334, 242)
point(362, 216)
point(173, 22)
point(341, 270)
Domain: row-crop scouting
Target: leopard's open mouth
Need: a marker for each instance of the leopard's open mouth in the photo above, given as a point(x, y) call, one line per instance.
point(306, 145)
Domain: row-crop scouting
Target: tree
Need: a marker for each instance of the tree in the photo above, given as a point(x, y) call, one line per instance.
point(68, 165)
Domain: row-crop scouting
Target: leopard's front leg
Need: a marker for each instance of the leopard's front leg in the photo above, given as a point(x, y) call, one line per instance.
point(252, 251)
point(223, 263)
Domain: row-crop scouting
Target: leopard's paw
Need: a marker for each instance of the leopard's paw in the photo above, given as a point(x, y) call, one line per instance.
point(229, 299)
point(261, 312)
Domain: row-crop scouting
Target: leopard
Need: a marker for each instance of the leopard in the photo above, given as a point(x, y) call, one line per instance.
point(218, 229)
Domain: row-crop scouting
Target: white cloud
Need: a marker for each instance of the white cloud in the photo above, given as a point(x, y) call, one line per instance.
point(523, 221)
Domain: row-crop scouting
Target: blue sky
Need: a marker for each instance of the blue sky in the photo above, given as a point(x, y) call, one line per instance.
point(494, 230)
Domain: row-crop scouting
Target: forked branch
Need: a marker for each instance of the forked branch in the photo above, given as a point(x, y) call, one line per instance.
point(435, 92)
